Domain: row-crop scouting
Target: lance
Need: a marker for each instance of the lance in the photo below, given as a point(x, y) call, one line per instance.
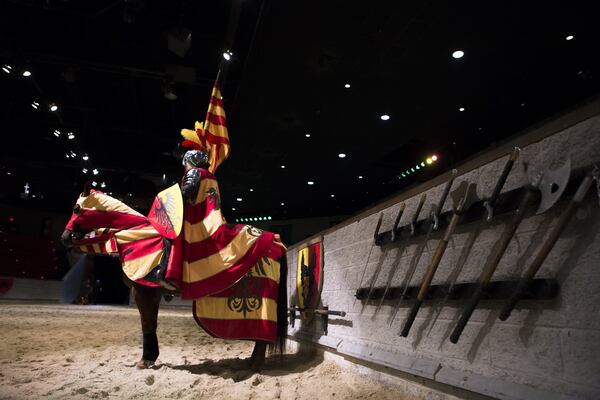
point(489, 205)
point(378, 269)
point(466, 192)
point(550, 184)
point(375, 242)
point(560, 226)
point(413, 223)
point(433, 225)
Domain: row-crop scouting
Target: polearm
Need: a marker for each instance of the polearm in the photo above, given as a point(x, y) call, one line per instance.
point(555, 233)
point(489, 205)
point(375, 241)
point(468, 198)
point(413, 223)
point(434, 218)
point(543, 182)
point(378, 269)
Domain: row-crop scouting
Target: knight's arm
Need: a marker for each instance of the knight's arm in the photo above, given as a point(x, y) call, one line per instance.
point(190, 184)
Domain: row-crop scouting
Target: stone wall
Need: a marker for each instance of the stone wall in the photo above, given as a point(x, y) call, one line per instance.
point(546, 349)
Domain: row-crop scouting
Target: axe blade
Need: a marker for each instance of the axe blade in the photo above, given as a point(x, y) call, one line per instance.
point(553, 184)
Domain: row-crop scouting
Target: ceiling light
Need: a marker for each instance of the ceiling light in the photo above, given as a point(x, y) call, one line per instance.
point(347, 86)
point(67, 155)
point(260, 218)
point(71, 136)
point(252, 190)
point(232, 208)
point(56, 133)
point(84, 170)
point(307, 135)
point(342, 155)
point(422, 164)
point(333, 195)
point(283, 204)
point(461, 109)
point(360, 177)
point(269, 218)
point(429, 160)
point(73, 154)
point(412, 170)
point(94, 184)
point(103, 185)
point(458, 54)
point(434, 157)
point(570, 37)
point(310, 182)
point(85, 157)
point(227, 55)
point(53, 107)
point(26, 73)
point(418, 166)
point(7, 68)
point(239, 199)
point(95, 171)
point(35, 105)
point(385, 117)
point(283, 166)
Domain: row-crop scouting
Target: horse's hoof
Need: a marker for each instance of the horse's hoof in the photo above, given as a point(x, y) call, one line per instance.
point(144, 364)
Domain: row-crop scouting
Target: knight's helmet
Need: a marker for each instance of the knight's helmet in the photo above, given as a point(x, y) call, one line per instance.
point(197, 154)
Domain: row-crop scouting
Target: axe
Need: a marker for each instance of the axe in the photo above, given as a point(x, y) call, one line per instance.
point(562, 223)
point(545, 183)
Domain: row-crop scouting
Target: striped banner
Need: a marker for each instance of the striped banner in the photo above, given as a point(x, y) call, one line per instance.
point(215, 130)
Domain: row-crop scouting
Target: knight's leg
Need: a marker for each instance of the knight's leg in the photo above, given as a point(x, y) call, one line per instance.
point(258, 355)
point(147, 300)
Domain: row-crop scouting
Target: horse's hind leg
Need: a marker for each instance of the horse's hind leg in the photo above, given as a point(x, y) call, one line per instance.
point(147, 300)
point(258, 355)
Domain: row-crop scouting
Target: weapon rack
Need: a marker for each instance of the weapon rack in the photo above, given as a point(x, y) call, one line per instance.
point(507, 202)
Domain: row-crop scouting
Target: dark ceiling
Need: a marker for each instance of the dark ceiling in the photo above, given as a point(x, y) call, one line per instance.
point(106, 63)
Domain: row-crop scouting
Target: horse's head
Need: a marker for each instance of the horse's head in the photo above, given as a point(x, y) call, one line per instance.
point(97, 213)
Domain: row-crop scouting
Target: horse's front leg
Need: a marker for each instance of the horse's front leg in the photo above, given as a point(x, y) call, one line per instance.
point(147, 300)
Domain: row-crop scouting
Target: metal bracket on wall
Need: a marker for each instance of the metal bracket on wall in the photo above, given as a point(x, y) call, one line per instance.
point(324, 313)
point(539, 289)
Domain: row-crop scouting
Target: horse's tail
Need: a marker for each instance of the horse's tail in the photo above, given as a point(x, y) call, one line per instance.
point(282, 308)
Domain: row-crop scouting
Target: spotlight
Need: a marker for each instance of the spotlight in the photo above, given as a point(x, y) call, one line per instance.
point(239, 199)
point(342, 155)
point(403, 175)
point(26, 73)
point(71, 136)
point(227, 55)
point(283, 166)
point(269, 218)
point(252, 190)
point(429, 160)
point(53, 107)
point(67, 155)
point(85, 157)
point(57, 133)
point(103, 185)
point(35, 105)
point(283, 204)
point(94, 184)
point(310, 182)
point(95, 171)
point(84, 170)
point(307, 135)
point(232, 208)
point(434, 157)
point(458, 54)
point(360, 177)
point(385, 117)
point(422, 164)
point(461, 109)
point(73, 154)
point(570, 37)
point(347, 86)
point(333, 195)
point(417, 166)
point(412, 170)
point(7, 68)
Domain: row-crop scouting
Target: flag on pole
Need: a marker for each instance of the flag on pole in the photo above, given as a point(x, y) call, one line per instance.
point(215, 128)
point(212, 135)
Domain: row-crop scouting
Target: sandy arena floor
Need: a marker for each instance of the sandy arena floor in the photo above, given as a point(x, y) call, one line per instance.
point(79, 352)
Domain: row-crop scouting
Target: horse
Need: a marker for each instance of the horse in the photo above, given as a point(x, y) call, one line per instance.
point(255, 305)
